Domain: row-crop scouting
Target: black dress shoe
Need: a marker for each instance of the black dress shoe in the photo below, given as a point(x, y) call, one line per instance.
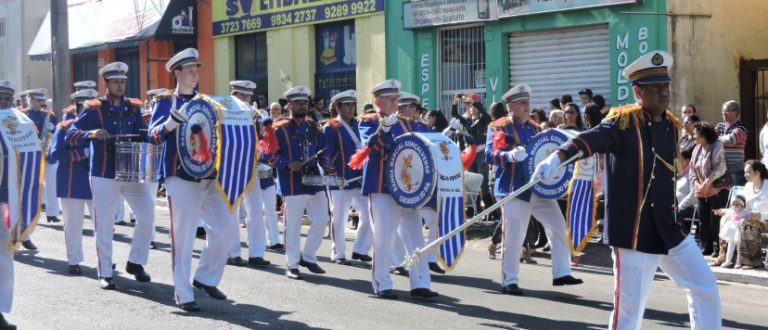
point(435, 268)
point(212, 291)
point(121, 223)
point(387, 294)
point(75, 270)
point(361, 257)
point(200, 233)
point(52, 219)
point(423, 293)
point(399, 271)
point(277, 247)
point(512, 289)
point(153, 245)
point(258, 262)
point(342, 261)
point(133, 220)
point(106, 283)
point(236, 261)
point(29, 245)
point(293, 274)
point(137, 271)
point(313, 267)
point(566, 280)
point(189, 307)
point(5, 325)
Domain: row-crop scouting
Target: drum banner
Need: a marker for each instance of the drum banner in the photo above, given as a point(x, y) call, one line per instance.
point(450, 198)
point(582, 203)
point(22, 165)
point(237, 156)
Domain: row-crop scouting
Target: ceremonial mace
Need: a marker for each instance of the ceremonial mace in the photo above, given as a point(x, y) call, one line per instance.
point(413, 258)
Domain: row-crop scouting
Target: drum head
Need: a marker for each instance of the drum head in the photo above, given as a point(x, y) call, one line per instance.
point(539, 148)
point(410, 174)
point(197, 138)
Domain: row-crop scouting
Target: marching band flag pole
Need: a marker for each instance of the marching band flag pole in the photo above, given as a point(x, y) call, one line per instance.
point(418, 253)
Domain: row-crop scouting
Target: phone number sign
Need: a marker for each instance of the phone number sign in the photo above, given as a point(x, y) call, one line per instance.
point(243, 16)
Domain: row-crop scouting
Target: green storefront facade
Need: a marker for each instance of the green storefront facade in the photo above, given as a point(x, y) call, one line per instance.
point(579, 48)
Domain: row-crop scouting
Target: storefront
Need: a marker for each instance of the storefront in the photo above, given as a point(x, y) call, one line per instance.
point(328, 45)
point(557, 48)
point(142, 36)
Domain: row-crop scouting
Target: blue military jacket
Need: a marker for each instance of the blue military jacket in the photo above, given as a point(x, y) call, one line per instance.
point(640, 174)
point(340, 144)
point(72, 175)
point(504, 134)
point(171, 166)
point(38, 117)
point(117, 119)
point(298, 141)
point(380, 143)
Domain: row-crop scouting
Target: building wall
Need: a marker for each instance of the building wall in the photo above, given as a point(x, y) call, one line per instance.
point(708, 46)
point(10, 45)
point(290, 58)
point(224, 66)
point(371, 57)
point(35, 74)
point(205, 46)
point(23, 19)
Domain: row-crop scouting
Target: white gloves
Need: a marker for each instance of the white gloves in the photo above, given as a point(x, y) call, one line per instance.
point(518, 154)
point(174, 120)
point(455, 124)
point(388, 122)
point(546, 169)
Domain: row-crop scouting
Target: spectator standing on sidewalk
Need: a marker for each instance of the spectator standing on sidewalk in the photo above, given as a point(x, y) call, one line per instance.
point(733, 134)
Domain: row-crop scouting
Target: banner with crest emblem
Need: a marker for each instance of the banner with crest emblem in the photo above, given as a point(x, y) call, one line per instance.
point(582, 203)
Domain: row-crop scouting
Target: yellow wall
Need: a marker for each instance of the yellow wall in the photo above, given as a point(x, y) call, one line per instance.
point(224, 53)
point(707, 50)
point(371, 58)
point(290, 59)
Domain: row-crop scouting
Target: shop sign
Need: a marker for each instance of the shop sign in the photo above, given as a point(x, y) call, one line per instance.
point(335, 47)
point(243, 16)
point(426, 13)
point(511, 8)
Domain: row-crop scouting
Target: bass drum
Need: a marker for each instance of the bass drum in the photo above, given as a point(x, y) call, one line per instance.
point(197, 138)
point(410, 174)
point(541, 146)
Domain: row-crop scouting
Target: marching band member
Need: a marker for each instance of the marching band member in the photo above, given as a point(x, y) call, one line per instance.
point(299, 140)
point(20, 168)
point(73, 186)
point(640, 142)
point(377, 132)
point(190, 199)
point(267, 183)
point(252, 201)
point(342, 139)
point(101, 125)
point(45, 121)
point(505, 148)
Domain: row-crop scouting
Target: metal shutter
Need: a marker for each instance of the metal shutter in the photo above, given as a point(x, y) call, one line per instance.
point(556, 62)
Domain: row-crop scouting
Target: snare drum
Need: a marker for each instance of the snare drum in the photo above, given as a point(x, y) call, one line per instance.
point(334, 181)
point(313, 180)
point(263, 171)
point(136, 162)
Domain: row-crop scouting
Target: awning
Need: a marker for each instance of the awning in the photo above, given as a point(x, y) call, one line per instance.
point(99, 24)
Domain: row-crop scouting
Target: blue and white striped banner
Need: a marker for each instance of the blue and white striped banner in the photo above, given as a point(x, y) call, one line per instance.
point(237, 156)
point(581, 211)
point(451, 217)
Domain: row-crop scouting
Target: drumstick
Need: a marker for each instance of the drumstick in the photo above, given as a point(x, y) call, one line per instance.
point(413, 258)
point(117, 136)
point(313, 157)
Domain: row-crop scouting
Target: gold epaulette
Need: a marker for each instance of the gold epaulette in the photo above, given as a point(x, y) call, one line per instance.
point(501, 122)
point(136, 102)
point(622, 115)
point(281, 122)
point(334, 123)
point(167, 94)
point(92, 104)
point(675, 121)
point(369, 117)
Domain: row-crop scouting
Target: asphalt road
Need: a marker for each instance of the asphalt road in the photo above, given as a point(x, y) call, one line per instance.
point(48, 298)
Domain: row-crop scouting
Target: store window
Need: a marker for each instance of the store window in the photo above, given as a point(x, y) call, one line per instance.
point(336, 60)
point(85, 67)
point(462, 64)
point(251, 62)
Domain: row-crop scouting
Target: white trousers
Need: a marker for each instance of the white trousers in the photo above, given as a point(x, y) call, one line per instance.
point(517, 214)
point(342, 202)
point(189, 203)
point(49, 186)
point(387, 216)
point(255, 226)
point(633, 276)
point(430, 220)
point(6, 265)
point(317, 212)
point(141, 198)
point(269, 200)
point(73, 210)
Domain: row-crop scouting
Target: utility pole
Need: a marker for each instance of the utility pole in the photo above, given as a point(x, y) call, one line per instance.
point(60, 55)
